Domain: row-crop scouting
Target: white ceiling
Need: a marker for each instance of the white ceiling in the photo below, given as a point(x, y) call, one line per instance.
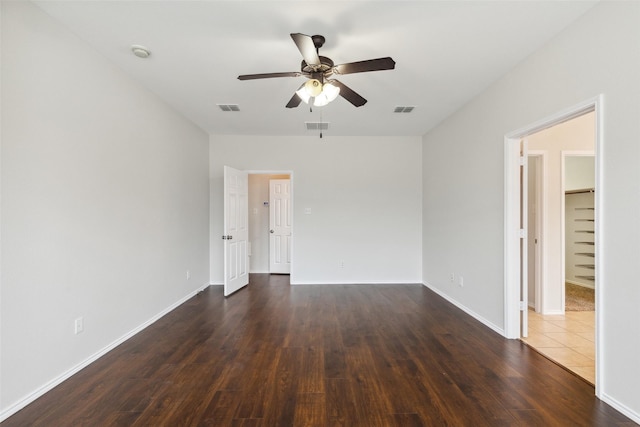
point(446, 53)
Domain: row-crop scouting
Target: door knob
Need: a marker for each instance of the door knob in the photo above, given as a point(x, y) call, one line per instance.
point(271, 231)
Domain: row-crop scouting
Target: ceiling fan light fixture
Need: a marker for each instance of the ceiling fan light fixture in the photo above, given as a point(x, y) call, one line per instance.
point(303, 94)
point(313, 87)
point(329, 93)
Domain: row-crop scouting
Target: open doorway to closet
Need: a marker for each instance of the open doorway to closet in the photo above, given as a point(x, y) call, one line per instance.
point(541, 248)
point(562, 313)
point(270, 223)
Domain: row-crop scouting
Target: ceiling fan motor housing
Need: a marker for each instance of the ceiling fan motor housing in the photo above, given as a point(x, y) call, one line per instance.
point(325, 67)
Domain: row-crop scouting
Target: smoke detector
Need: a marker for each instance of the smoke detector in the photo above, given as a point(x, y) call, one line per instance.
point(140, 51)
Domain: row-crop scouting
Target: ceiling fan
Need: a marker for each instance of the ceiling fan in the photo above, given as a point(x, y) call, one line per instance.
point(321, 88)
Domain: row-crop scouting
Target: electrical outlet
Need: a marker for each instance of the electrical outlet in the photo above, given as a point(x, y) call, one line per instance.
point(452, 277)
point(188, 274)
point(78, 325)
point(461, 281)
point(341, 264)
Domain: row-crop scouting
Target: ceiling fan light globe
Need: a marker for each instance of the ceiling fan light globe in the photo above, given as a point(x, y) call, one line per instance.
point(320, 100)
point(304, 96)
point(313, 87)
point(330, 91)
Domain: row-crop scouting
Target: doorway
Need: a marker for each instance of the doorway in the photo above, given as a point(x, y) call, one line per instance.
point(550, 298)
point(262, 212)
point(564, 330)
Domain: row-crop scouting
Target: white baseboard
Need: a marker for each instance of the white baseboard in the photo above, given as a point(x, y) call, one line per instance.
point(584, 285)
point(467, 310)
point(627, 412)
point(6, 413)
point(553, 313)
point(313, 283)
point(216, 284)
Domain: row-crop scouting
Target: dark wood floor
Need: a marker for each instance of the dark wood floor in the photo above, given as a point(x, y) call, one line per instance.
point(275, 355)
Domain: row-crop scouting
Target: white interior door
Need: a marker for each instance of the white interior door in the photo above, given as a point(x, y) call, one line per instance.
point(280, 226)
point(236, 230)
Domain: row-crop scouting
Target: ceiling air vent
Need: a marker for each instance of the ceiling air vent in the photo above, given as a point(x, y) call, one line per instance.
point(229, 107)
point(317, 125)
point(403, 109)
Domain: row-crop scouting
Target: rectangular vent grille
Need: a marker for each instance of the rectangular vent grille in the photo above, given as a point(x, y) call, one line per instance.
point(317, 125)
point(229, 107)
point(403, 109)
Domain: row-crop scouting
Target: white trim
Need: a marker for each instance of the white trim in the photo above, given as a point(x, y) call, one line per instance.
point(467, 310)
point(554, 313)
point(361, 282)
point(15, 407)
point(512, 237)
point(584, 285)
point(625, 410)
point(599, 198)
point(511, 268)
point(557, 118)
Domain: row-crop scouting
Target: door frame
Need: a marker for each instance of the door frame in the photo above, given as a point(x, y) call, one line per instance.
point(512, 218)
point(291, 178)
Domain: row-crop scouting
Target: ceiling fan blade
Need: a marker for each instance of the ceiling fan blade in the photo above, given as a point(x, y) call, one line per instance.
point(347, 93)
point(307, 48)
point(294, 101)
point(363, 66)
point(268, 75)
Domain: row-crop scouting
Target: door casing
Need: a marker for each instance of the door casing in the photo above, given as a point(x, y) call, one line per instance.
point(512, 213)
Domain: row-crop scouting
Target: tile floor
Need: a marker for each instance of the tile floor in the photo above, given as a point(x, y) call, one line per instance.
point(568, 339)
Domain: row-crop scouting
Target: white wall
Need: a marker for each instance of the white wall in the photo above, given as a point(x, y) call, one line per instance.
point(579, 172)
point(365, 198)
point(104, 204)
point(463, 171)
point(577, 135)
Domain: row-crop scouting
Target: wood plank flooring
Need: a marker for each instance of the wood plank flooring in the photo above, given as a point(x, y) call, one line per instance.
point(352, 355)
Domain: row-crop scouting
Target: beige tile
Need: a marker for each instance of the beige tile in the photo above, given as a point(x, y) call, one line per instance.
point(539, 340)
point(572, 325)
point(566, 356)
point(586, 372)
point(589, 351)
point(549, 327)
point(591, 336)
point(582, 316)
point(569, 339)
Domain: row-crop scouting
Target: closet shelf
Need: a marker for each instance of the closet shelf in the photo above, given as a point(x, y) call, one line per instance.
point(589, 254)
point(585, 231)
point(584, 220)
point(585, 243)
point(587, 277)
point(585, 209)
point(589, 266)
